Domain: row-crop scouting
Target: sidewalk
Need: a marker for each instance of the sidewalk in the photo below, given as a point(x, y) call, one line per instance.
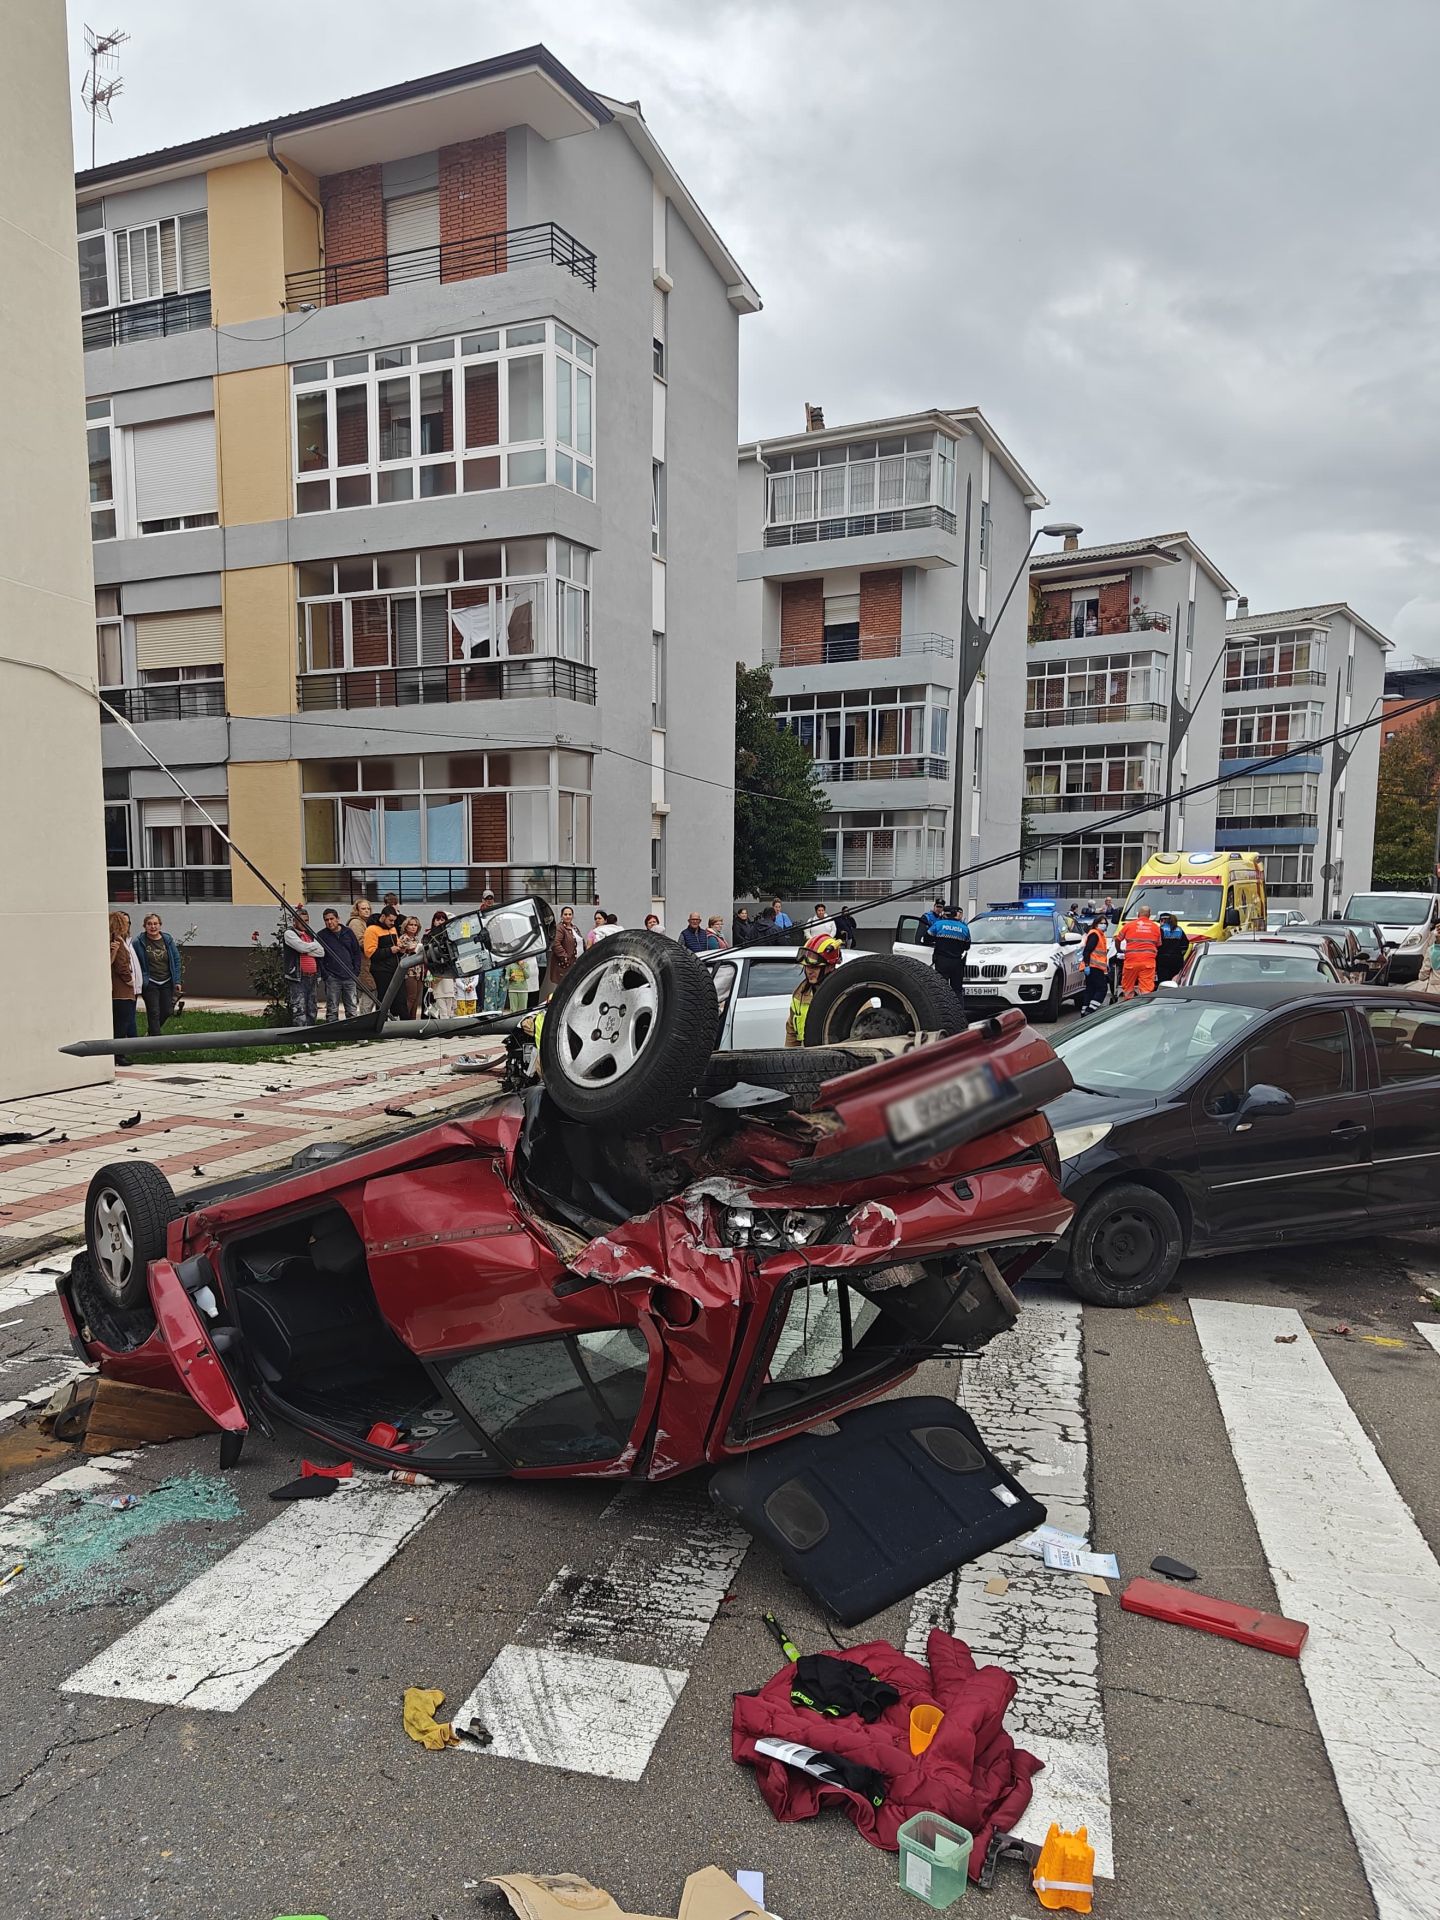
point(212, 1121)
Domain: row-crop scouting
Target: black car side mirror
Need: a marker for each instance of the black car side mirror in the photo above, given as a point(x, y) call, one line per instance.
point(1232, 916)
point(1261, 1103)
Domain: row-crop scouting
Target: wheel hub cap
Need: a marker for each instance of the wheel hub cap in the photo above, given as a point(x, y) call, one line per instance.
point(606, 1027)
point(114, 1241)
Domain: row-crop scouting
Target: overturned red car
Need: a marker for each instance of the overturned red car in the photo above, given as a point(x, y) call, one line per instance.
point(543, 1287)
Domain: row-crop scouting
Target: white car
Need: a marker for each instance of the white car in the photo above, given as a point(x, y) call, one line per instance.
point(1019, 954)
point(1278, 918)
point(754, 985)
point(1404, 920)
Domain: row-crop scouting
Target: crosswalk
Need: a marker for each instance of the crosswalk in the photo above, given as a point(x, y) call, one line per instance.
point(591, 1674)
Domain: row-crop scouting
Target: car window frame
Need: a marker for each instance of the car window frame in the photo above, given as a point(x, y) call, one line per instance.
point(1283, 1017)
point(760, 964)
point(1372, 1051)
point(568, 1337)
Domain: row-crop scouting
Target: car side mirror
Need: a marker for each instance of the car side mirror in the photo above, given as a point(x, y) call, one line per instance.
point(1068, 939)
point(1232, 916)
point(1261, 1103)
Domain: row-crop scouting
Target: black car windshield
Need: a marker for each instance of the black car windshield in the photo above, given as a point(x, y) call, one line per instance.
point(1013, 929)
point(1150, 1046)
point(1200, 905)
point(1229, 962)
point(1389, 909)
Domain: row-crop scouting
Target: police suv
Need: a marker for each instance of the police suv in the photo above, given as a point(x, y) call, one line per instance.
point(1020, 954)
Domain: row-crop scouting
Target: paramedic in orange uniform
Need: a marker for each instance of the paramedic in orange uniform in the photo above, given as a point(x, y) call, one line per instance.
point(1142, 943)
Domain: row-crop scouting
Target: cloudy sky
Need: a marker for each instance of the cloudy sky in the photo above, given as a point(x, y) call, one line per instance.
point(1182, 252)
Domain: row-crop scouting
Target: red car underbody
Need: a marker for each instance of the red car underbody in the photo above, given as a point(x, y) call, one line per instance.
point(714, 1287)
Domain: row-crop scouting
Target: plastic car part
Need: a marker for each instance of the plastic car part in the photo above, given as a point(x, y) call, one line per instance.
point(1172, 1569)
point(1270, 1631)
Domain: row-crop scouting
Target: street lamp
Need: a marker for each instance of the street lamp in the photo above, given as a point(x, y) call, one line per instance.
point(975, 638)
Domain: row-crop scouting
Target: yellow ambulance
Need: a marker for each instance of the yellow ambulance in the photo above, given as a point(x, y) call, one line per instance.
point(1212, 895)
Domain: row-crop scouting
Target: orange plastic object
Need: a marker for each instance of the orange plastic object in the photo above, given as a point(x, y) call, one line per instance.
point(1064, 1877)
point(924, 1723)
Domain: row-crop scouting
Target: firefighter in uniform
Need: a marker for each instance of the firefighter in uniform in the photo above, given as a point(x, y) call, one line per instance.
point(1096, 955)
point(1142, 943)
point(819, 956)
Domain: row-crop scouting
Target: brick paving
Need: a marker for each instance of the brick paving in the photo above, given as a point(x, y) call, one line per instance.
point(212, 1121)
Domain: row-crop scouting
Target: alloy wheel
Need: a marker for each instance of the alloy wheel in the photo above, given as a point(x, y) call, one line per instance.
point(605, 1028)
point(113, 1242)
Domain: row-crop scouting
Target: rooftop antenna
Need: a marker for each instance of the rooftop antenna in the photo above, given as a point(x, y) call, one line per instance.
point(103, 49)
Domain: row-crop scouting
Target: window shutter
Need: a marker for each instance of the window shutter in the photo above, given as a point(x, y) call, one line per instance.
point(174, 464)
point(193, 639)
point(194, 251)
point(413, 222)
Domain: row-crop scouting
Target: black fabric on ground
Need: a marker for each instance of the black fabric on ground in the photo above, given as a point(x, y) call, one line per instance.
point(839, 1687)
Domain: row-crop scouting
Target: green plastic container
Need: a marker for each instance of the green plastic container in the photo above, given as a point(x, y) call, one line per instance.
point(934, 1859)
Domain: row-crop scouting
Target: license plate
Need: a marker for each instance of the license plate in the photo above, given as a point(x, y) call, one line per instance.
point(922, 1113)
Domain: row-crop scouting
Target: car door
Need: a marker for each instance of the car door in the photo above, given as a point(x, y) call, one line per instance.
point(1403, 1047)
point(907, 942)
point(1294, 1176)
point(195, 1359)
point(724, 974)
point(763, 1002)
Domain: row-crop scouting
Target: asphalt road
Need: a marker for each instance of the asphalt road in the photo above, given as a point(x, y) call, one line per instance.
point(307, 1798)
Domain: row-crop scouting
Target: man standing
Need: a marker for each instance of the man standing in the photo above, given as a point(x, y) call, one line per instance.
point(1096, 955)
point(303, 954)
point(340, 967)
point(949, 934)
point(1142, 944)
point(779, 915)
point(822, 923)
point(694, 935)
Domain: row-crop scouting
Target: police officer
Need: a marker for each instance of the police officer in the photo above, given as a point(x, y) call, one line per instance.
point(949, 934)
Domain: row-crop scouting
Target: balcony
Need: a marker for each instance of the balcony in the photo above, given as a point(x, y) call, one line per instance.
point(147, 884)
point(856, 524)
point(1092, 716)
point(1088, 802)
point(893, 767)
point(888, 494)
point(552, 679)
point(1057, 620)
point(1246, 822)
point(1263, 682)
point(449, 886)
point(145, 319)
point(842, 650)
point(180, 700)
point(482, 253)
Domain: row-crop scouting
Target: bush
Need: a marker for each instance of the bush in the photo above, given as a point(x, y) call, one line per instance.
point(267, 976)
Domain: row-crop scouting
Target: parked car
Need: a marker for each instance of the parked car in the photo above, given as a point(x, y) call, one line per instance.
point(651, 1260)
point(1216, 1118)
point(754, 986)
point(1262, 956)
point(1362, 947)
point(1020, 956)
point(1404, 920)
point(1280, 917)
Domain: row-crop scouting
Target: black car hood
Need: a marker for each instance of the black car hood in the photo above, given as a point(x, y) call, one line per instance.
point(1082, 1108)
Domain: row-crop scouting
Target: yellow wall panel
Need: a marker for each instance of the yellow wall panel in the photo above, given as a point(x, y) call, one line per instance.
point(247, 255)
point(253, 440)
point(259, 608)
point(265, 820)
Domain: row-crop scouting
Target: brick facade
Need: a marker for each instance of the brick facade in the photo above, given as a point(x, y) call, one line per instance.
point(879, 613)
point(472, 202)
point(1053, 619)
point(1115, 607)
point(802, 623)
point(354, 230)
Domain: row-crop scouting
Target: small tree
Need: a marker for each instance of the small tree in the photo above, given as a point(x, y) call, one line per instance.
point(267, 974)
point(780, 805)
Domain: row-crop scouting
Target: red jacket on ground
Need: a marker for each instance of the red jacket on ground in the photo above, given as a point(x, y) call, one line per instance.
point(972, 1771)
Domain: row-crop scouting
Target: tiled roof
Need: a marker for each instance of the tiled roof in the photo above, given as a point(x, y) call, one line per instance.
point(1117, 550)
point(1302, 617)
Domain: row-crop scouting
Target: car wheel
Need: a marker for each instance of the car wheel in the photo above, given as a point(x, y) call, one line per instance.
point(629, 1033)
point(1053, 1005)
point(883, 994)
point(1125, 1245)
point(127, 1212)
point(798, 1071)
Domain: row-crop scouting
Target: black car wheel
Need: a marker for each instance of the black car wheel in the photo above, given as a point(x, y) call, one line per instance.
point(628, 1035)
point(1125, 1245)
point(1053, 1004)
point(881, 995)
point(127, 1212)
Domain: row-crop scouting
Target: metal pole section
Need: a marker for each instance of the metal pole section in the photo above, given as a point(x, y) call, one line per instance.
point(962, 688)
point(1337, 763)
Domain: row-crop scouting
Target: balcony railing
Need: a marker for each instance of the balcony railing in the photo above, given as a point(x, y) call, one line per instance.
point(548, 678)
point(1259, 682)
point(842, 650)
point(169, 883)
point(1242, 822)
point(892, 767)
point(831, 888)
point(180, 700)
point(1088, 802)
point(1110, 626)
point(145, 319)
point(855, 525)
point(481, 253)
point(449, 886)
point(1092, 716)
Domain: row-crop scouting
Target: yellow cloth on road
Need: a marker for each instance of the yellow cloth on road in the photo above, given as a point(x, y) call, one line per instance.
point(420, 1721)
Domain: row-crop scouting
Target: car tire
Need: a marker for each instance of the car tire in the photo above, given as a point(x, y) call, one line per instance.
point(629, 1033)
point(841, 1010)
point(1125, 1244)
point(798, 1071)
point(1053, 1005)
point(128, 1210)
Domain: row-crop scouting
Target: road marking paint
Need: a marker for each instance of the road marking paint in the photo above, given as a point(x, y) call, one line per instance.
point(37, 1396)
point(1025, 1392)
point(596, 1666)
point(31, 1282)
point(19, 1529)
point(212, 1644)
point(1429, 1330)
point(1347, 1557)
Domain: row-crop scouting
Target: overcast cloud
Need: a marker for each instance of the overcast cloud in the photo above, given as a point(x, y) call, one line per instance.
point(1183, 255)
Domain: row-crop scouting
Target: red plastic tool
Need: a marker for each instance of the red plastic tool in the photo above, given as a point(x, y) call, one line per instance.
point(1271, 1631)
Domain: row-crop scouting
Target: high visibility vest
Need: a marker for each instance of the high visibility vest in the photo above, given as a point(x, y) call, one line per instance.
point(1100, 952)
point(1142, 938)
point(799, 1007)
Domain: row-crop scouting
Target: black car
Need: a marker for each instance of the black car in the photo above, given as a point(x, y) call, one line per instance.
point(1211, 1119)
point(1361, 942)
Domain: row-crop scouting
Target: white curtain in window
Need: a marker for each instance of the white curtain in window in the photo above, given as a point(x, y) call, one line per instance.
point(174, 463)
point(357, 832)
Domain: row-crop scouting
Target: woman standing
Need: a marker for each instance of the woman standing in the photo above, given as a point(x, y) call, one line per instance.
point(1174, 946)
point(159, 959)
point(125, 982)
point(407, 946)
point(444, 988)
point(564, 950)
point(365, 981)
point(594, 934)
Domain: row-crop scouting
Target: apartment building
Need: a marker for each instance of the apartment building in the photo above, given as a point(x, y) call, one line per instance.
point(1292, 678)
point(411, 433)
point(1119, 634)
point(852, 543)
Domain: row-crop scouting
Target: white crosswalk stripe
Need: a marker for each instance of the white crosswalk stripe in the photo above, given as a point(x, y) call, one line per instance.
point(32, 1283)
point(25, 1520)
point(1429, 1330)
point(1026, 1395)
point(597, 1665)
point(1347, 1558)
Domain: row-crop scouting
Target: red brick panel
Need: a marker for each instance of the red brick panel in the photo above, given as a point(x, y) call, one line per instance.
point(802, 623)
point(1115, 606)
point(354, 230)
point(489, 829)
point(472, 203)
point(482, 406)
point(1053, 619)
point(879, 612)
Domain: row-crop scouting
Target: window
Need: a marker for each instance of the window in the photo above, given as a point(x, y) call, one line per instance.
point(872, 733)
point(1099, 688)
point(109, 638)
point(165, 256)
point(1084, 613)
point(94, 256)
point(977, 757)
point(861, 848)
point(865, 477)
point(765, 978)
point(1288, 873)
point(1091, 779)
point(657, 679)
point(446, 416)
point(1259, 730)
point(1407, 1044)
point(1309, 1058)
point(661, 331)
point(657, 508)
point(1274, 660)
point(1282, 800)
point(175, 834)
point(657, 857)
point(173, 474)
point(985, 533)
point(657, 357)
point(1108, 861)
point(410, 189)
point(551, 1402)
point(827, 1335)
point(99, 436)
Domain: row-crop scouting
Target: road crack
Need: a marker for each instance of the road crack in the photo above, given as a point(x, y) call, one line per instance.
point(1213, 1706)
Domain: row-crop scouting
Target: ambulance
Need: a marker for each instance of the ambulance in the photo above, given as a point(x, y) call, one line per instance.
point(1212, 895)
